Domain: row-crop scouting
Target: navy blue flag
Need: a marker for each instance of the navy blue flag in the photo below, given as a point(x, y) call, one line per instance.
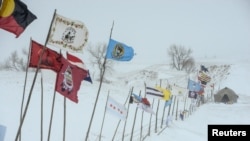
point(88, 78)
point(203, 68)
point(119, 51)
point(192, 94)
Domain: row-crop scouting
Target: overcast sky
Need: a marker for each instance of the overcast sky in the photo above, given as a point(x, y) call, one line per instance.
point(211, 28)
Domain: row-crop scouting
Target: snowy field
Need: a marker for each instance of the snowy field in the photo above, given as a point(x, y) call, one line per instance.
point(193, 127)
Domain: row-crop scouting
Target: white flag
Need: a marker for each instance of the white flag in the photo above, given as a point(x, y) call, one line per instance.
point(146, 108)
point(179, 91)
point(67, 34)
point(116, 109)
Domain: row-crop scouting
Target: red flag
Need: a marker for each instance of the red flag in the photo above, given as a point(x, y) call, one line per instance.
point(50, 58)
point(69, 80)
point(16, 21)
point(76, 61)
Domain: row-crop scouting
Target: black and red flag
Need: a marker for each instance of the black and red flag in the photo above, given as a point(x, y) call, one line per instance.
point(15, 16)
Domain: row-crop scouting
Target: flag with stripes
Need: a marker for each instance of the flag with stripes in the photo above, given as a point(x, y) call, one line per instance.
point(154, 93)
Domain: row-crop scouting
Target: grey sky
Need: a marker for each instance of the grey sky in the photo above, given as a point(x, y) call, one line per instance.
point(210, 28)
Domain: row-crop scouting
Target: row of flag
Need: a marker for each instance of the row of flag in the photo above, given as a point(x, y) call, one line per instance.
point(72, 36)
point(69, 73)
point(70, 70)
point(66, 34)
point(159, 93)
point(197, 88)
point(142, 103)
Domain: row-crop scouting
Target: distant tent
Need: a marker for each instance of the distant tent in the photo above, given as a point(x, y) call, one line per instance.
point(226, 95)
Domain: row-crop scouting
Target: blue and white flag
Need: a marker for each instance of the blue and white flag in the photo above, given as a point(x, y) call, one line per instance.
point(193, 86)
point(119, 51)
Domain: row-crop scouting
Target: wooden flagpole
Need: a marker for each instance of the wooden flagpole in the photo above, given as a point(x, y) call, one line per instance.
point(177, 109)
point(169, 108)
point(150, 120)
point(142, 114)
point(185, 101)
point(64, 119)
point(162, 119)
point(99, 89)
point(124, 128)
point(120, 120)
point(33, 84)
point(149, 127)
point(164, 108)
point(156, 117)
point(51, 116)
point(174, 105)
point(41, 107)
point(104, 115)
point(141, 124)
point(132, 131)
point(24, 88)
point(52, 112)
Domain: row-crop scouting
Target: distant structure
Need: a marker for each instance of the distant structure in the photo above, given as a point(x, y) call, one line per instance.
point(226, 95)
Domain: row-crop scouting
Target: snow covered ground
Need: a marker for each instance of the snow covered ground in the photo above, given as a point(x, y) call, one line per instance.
point(193, 127)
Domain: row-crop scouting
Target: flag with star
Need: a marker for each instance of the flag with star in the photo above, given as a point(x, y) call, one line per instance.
point(116, 109)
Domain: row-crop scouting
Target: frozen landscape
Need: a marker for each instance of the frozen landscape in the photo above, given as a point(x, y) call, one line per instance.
point(193, 127)
point(216, 31)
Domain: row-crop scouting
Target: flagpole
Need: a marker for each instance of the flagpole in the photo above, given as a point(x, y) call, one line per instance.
point(24, 87)
point(51, 116)
point(124, 128)
point(41, 108)
point(104, 115)
point(142, 114)
point(176, 109)
point(120, 120)
point(32, 86)
point(156, 122)
point(132, 132)
point(149, 127)
point(169, 109)
point(164, 108)
point(52, 111)
point(64, 120)
point(150, 120)
point(99, 89)
point(174, 105)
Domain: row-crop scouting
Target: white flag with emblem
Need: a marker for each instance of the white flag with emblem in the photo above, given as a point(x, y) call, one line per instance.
point(116, 109)
point(67, 34)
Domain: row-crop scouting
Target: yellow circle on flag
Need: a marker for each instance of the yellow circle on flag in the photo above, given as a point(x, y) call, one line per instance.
point(7, 8)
